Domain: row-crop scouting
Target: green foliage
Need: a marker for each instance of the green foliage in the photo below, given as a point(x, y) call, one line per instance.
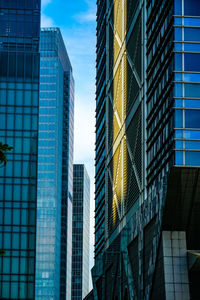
point(4, 148)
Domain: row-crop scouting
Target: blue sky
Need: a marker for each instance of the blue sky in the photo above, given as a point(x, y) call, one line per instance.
point(76, 19)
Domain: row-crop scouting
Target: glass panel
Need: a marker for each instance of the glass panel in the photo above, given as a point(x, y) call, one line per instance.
point(179, 157)
point(178, 61)
point(192, 62)
point(178, 90)
point(178, 7)
point(192, 34)
point(192, 77)
point(192, 145)
point(177, 34)
point(178, 118)
point(192, 134)
point(191, 8)
point(191, 22)
point(192, 47)
point(192, 90)
point(192, 103)
point(192, 118)
point(192, 158)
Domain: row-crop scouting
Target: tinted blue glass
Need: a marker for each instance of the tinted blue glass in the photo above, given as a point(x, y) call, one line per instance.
point(192, 47)
point(192, 158)
point(178, 103)
point(178, 7)
point(192, 62)
point(192, 103)
point(191, 22)
point(178, 118)
point(192, 145)
point(178, 34)
point(192, 134)
point(178, 90)
point(191, 8)
point(179, 157)
point(192, 90)
point(177, 46)
point(192, 77)
point(178, 21)
point(178, 133)
point(178, 76)
point(192, 34)
point(179, 144)
point(178, 61)
point(192, 118)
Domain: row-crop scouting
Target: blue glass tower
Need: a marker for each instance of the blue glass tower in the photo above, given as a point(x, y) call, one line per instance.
point(80, 233)
point(55, 169)
point(19, 94)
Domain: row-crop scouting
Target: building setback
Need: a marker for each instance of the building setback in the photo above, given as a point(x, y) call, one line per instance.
point(19, 94)
point(147, 150)
point(80, 233)
point(55, 169)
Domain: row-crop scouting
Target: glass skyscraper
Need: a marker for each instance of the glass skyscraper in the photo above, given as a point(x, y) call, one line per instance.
point(147, 150)
point(19, 94)
point(80, 233)
point(55, 169)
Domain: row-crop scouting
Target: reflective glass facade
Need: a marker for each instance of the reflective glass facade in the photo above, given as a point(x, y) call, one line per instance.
point(100, 144)
point(187, 82)
point(80, 233)
point(19, 94)
point(55, 169)
point(150, 80)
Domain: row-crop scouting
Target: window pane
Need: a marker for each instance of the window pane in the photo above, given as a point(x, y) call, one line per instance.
point(192, 90)
point(192, 158)
point(192, 62)
point(192, 34)
point(178, 118)
point(192, 8)
point(192, 118)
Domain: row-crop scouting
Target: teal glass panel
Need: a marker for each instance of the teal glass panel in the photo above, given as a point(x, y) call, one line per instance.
point(178, 7)
point(192, 34)
point(192, 118)
point(192, 90)
point(191, 7)
point(178, 118)
point(178, 61)
point(194, 145)
point(179, 157)
point(192, 103)
point(192, 158)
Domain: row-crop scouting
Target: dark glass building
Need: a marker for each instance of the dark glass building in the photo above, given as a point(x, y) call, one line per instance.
point(148, 74)
point(100, 144)
point(55, 169)
point(80, 233)
point(19, 94)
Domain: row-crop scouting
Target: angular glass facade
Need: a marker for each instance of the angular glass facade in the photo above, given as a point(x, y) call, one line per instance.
point(80, 233)
point(55, 169)
point(19, 94)
point(150, 80)
point(100, 144)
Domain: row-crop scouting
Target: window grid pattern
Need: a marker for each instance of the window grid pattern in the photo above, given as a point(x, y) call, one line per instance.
point(80, 233)
point(187, 83)
point(19, 88)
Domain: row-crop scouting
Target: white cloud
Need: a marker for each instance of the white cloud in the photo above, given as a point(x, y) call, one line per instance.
point(46, 21)
point(89, 15)
point(45, 3)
